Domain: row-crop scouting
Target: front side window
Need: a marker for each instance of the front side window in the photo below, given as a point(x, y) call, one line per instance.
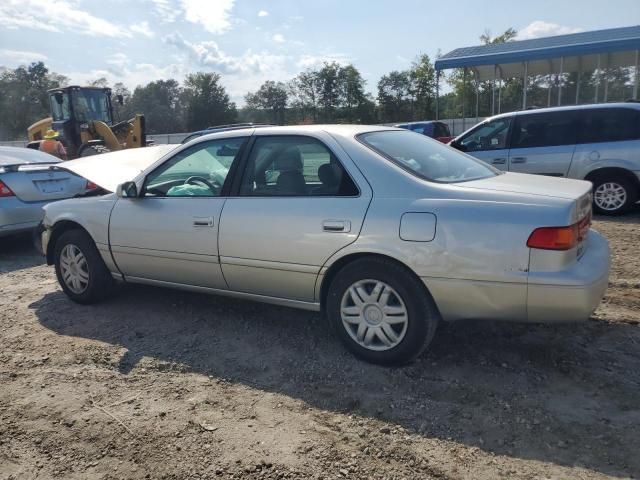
point(294, 166)
point(199, 171)
point(426, 158)
point(544, 130)
point(91, 105)
point(490, 135)
point(611, 125)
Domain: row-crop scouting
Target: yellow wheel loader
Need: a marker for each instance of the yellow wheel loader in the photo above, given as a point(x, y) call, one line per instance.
point(83, 116)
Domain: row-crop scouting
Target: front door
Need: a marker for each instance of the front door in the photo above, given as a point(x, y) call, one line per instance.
point(296, 205)
point(488, 142)
point(543, 143)
point(170, 232)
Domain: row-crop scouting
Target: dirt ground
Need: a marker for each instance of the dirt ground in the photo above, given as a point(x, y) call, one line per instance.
point(163, 384)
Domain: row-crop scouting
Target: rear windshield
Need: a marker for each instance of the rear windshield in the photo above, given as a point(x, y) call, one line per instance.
point(426, 158)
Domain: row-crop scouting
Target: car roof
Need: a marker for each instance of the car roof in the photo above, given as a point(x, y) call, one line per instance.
point(340, 130)
point(568, 108)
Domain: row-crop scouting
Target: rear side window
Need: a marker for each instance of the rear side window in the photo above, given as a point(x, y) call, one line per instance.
point(294, 166)
point(441, 130)
point(611, 125)
point(544, 130)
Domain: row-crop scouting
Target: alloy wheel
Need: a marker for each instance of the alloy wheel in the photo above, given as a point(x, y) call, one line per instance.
point(610, 196)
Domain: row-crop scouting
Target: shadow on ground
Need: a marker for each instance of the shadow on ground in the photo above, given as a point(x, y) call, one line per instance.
point(18, 252)
point(562, 394)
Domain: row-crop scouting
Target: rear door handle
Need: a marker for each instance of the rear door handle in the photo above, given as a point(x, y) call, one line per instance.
point(203, 221)
point(519, 160)
point(499, 161)
point(342, 226)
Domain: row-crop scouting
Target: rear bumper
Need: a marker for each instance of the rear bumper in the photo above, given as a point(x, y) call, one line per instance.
point(571, 295)
point(17, 216)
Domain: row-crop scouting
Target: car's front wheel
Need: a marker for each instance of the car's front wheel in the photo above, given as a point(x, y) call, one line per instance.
point(80, 269)
point(613, 195)
point(381, 312)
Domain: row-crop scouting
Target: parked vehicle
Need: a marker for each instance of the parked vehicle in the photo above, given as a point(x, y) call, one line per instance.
point(27, 183)
point(385, 231)
point(438, 130)
point(598, 143)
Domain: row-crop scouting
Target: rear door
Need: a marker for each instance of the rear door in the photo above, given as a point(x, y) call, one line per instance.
point(170, 232)
point(489, 141)
point(543, 143)
point(296, 204)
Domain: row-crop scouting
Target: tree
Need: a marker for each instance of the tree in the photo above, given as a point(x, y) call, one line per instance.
point(24, 99)
point(160, 102)
point(394, 96)
point(206, 101)
point(356, 106)
point(327, 84)
point(423, 88)
point(271, 97)
point(303, 91)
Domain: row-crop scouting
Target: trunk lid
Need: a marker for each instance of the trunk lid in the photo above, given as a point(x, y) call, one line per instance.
point(109, 170)
point(538, 185)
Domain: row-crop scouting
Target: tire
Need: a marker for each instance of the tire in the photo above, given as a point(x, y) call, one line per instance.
point(95, 283)
point(93, 150)
point(613, 194)
point(387, 289)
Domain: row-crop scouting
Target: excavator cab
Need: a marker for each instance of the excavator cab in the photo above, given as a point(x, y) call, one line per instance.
point(83, 116)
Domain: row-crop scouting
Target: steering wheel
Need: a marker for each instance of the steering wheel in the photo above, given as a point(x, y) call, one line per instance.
point(197, 179)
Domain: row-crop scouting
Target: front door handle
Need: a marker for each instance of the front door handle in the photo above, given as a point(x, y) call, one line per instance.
point(203, 221)
point(499, 161)
point(519, 160)
point(341, 226)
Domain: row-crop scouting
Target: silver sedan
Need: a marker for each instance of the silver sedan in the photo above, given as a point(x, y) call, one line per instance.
point(386, 231)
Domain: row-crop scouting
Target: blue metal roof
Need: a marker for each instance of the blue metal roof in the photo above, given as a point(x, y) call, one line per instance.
point(574, 44)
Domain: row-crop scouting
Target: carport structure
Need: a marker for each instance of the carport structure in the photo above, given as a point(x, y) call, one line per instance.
point(596, 51)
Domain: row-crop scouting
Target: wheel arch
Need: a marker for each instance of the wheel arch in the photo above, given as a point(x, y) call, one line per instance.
point(345, 260)
point(57, 230)
point(611, 172)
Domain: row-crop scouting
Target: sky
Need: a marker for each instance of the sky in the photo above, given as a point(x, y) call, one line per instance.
point(250, 41)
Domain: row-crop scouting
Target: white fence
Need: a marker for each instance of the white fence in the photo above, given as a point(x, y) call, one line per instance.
point(456, 125)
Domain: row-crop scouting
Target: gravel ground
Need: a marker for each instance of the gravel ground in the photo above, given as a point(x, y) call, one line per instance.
point(163, 384)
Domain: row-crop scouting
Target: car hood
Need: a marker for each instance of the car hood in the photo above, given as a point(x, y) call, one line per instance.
point(526, 184)
point(109, 170)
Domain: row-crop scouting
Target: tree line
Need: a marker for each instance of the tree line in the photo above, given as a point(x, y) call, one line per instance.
point(330, 93)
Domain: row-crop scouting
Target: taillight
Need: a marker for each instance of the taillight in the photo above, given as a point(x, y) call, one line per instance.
point(90, 185)
point(5, 191)
point(559, 238)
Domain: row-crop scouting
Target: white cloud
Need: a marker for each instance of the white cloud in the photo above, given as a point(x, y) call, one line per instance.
point(208, 54)
point(278, 38)
point(540, 28)
point(215, 16)
point(263, 13)
point(312, 61)
point(166, 11)
point(56, 16)
point(142, 28)
point(20, 56)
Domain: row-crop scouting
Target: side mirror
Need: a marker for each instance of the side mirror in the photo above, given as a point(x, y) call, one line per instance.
point(127, 190)
point(120, 99)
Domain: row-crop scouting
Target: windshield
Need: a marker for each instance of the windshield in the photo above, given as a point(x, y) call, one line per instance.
point(426, 158)
point(60, 111)
point(91, 105)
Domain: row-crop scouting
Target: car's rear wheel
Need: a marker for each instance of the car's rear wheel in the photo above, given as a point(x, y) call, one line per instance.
point(381, 312)
point(613, 195)
point(80, 269)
